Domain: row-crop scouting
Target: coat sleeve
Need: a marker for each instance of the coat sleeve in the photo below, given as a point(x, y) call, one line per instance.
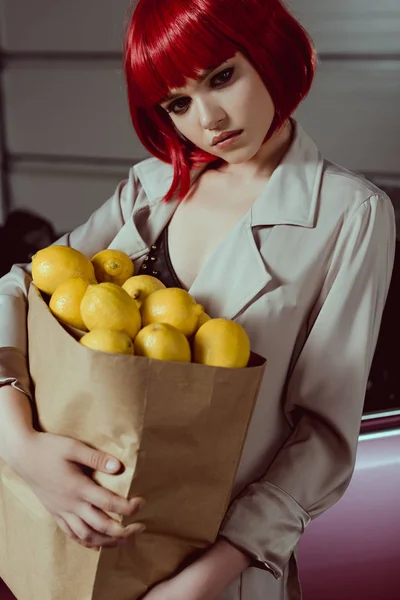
point(91, 237)
point(324, 396)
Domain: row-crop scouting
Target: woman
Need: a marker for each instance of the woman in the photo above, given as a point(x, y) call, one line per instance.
point(239, 207)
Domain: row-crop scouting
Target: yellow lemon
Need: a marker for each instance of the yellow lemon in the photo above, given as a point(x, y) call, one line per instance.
point(174, 306)
point(108, 306)
point(113, 266)
point(221, 343)
point(163, 342)
point(54, 264)
point(66, 300)
point(204, 317)
point(141, 286)
point(108, 340)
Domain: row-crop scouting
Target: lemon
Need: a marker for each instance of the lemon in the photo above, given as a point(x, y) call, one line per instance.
point(204, 317)
point(108, 306)
point(66, 300)
point(108, 340)
point(51, 266)
point(163, 342)
point(221, 343)
point(113, 266)
point(174, 306)
point(141, 286)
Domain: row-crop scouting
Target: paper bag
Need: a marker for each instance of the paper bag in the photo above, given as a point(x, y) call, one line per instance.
point(179, 430)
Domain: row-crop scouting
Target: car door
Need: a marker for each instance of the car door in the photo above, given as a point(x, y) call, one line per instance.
point(353, 550)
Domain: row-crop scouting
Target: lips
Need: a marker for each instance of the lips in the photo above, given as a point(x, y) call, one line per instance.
point(224, 136)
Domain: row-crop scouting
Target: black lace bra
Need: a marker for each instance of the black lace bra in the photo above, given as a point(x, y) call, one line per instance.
point(158, 262)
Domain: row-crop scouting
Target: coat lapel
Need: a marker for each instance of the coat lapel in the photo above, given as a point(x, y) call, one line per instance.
point(236, 274)
point(150, 215)
point(233, 275)
point(129, 239)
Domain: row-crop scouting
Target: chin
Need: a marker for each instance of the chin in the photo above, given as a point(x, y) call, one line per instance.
point(240, 156)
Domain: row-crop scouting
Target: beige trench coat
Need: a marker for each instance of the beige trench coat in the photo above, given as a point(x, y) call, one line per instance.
point(306, 271)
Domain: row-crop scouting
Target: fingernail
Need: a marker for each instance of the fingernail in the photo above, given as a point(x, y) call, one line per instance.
point(135, 528)
point(111, 465)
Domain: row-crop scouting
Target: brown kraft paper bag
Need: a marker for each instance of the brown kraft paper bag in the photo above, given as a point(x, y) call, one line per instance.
point(179, 430)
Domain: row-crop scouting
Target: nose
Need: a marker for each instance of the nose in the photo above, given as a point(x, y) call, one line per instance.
point(211, 114)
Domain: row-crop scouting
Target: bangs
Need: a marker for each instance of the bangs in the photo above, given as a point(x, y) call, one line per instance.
point(175, 44)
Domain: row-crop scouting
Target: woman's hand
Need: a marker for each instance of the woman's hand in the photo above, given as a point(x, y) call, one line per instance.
point(177, 589)
point(206, 578)
point(52, 466)
point(167, 590)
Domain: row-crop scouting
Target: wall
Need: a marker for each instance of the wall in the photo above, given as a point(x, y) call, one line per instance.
point(67, 134)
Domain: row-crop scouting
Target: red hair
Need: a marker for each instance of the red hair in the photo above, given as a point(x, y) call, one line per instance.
point(170, 41)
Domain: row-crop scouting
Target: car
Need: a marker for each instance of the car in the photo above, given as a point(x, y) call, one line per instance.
point(352, 551)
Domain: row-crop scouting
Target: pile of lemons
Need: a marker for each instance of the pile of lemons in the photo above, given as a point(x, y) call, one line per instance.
point(125, 313)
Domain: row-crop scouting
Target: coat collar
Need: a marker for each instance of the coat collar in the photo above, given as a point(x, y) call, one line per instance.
point(155, 177)
point(289, 197)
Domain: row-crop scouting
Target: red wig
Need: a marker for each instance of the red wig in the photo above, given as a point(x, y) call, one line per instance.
point(170, 41)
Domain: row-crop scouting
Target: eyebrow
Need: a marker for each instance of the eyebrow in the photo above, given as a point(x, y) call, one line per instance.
point(202, 77)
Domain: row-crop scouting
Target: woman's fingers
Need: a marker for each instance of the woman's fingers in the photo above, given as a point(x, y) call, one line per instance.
point(84, 534)
point(105, 525)
point(93, 529)
point(90, 538)
point(109, 502)
point(83, 509)
point(93, 493)
point(69, 533)
point(65, 527)
point(94, 459)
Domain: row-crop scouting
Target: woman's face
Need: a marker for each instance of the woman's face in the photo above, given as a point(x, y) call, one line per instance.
point(231, 98)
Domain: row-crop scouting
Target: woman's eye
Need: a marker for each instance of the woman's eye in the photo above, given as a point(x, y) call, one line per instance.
point(178, 106)
point(222, 77)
